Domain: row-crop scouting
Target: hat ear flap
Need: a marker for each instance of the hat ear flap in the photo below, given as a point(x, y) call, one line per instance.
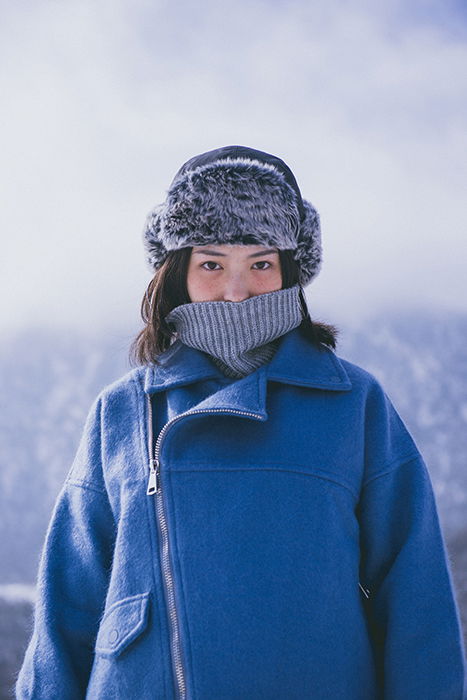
point(156, 251)
point(308, 253)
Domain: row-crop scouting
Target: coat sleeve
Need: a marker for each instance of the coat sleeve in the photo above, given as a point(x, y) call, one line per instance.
point(72, 581)
point(413, 614)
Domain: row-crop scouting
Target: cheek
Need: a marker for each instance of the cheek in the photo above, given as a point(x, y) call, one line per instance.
point(199, 286)
point(270, 282)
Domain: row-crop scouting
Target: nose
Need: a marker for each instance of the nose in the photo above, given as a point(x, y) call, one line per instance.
point(236, 288)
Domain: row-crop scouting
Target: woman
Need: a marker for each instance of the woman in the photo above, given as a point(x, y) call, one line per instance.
point(246, 516)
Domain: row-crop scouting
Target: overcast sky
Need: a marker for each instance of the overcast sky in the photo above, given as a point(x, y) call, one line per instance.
point(103, 101)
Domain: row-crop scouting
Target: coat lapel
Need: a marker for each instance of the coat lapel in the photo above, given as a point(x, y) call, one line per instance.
point(296, 361)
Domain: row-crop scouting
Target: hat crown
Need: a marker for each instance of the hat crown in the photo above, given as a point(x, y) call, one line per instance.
point(239, 154)
point(235, 195)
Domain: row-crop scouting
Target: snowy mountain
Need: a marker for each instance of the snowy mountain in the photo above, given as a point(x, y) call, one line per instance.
point(49, 380)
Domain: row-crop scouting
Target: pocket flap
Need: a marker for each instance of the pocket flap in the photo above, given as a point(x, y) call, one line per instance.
point(121, 624)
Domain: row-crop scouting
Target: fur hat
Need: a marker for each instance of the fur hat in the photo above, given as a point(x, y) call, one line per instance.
point(235, 195)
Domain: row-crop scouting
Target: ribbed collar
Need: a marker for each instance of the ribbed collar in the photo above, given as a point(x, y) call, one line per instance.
point(296, 361)
point(239, 336)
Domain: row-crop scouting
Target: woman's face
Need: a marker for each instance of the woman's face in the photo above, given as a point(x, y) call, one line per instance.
point(232, 272)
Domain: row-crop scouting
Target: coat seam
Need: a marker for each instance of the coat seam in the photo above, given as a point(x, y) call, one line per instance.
point(321, 386)
point(82, 483)
point(153, 539)
point(137, 598)
point(398, 462)
point(251, 469)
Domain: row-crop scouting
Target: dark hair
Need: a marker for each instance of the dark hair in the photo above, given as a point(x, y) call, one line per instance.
point(168, 289)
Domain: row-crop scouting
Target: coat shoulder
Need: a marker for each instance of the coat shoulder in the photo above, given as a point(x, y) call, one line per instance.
point(117, 406)
point(360, 378)
point(124, 386)
point(388, 441)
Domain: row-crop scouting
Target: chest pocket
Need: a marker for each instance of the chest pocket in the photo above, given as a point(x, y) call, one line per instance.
point(122, 623)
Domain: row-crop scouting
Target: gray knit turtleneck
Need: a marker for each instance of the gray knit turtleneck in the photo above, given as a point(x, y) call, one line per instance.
point(239, 336)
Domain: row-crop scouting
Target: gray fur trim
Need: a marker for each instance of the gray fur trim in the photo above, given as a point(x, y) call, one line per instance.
point(309, 252)
point(235, 201)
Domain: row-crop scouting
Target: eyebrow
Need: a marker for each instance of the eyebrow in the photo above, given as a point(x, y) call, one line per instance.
point(253, 255)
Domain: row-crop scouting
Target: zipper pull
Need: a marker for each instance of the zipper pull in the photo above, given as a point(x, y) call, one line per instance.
point(153, 483)
point(365, 591)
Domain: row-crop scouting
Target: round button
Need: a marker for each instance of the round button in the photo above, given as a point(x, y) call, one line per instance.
point(113, 636)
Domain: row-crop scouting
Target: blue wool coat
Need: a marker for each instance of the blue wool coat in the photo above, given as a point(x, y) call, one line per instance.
point(289, 546)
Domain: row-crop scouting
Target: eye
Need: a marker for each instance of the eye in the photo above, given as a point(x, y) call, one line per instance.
point(262, 262)
point(210, 262)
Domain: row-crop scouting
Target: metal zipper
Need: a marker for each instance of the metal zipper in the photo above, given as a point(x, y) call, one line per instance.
point(154, 487)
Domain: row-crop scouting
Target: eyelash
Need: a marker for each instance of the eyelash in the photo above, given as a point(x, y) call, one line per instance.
point(215, 270)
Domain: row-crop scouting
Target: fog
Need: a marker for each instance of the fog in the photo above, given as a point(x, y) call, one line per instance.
point(104, 101)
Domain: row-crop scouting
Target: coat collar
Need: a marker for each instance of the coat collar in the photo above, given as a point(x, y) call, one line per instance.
point(296, 361)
